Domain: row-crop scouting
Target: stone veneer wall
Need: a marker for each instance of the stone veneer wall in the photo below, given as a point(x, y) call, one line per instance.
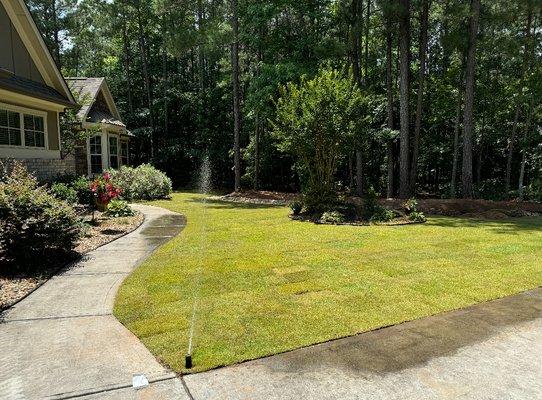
point(46, 169)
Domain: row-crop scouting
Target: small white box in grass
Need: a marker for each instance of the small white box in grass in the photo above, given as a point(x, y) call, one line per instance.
point(139, 381)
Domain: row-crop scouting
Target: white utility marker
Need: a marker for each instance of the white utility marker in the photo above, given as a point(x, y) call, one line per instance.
point(139, 381)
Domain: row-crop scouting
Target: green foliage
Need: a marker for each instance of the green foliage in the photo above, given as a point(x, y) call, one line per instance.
point(417, 216)
point(119, 208)
point(144, 182)
point(332, 217)
point(382, 214)
point(64, 192)
point(33, 222)
point(316, 121)
point(410, 206)
point(81, 186)
point(296, 207)
point(370, 204)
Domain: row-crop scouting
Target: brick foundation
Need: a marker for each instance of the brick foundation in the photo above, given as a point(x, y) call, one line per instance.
point(47, 169)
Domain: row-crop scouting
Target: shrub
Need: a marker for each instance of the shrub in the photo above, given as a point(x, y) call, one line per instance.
point(81, 186)
point(410, 206)
point(382, 215)
point(142, 183)
point(64, 192)
point(33, 222)
point(370, 204)
point(316, 121)
point(296, 207)
point(417, 216)
point(119, 208)
point(332, 217)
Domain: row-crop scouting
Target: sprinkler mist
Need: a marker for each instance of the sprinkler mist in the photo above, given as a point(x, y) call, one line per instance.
point(204, 188)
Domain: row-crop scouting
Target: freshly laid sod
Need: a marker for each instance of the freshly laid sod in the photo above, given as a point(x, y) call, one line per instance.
point(269, 284)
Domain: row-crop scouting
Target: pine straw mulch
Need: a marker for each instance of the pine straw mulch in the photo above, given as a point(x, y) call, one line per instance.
point(466, 208)
point(103, 230)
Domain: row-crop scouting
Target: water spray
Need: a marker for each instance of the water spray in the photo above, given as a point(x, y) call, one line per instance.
point(204, 188)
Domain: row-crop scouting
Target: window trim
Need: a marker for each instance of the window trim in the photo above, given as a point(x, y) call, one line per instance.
point(28, 111)
point(89, 154)
point(116, 137)
point(124, 142)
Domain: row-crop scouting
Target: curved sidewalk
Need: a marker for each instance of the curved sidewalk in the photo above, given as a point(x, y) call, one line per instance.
point(63, 342)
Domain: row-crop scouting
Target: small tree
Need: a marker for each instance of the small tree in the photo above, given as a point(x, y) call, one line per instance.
point(316, 121)
point(72, 133)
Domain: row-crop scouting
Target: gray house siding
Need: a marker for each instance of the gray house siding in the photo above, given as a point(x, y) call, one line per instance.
point(14, 56)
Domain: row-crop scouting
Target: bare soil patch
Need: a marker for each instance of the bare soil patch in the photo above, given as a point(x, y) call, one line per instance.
point(103, 230)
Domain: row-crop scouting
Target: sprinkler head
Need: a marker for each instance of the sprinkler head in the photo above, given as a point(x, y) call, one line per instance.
point(188, 361)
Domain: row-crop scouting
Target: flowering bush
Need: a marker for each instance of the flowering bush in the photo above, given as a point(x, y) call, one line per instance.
point(142, 183)
point(103, 189)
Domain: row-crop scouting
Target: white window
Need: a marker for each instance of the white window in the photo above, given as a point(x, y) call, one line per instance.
point(34, 131)
point(96, 154)
point(10, 128)
point(124, 153)
point(113, 152)
point(21, 127)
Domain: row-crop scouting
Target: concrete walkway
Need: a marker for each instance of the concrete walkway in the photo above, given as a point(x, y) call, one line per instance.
point(491, 351)
point(62, 341)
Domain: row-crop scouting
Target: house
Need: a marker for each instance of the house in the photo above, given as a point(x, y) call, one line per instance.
point(107, 146)
point(33, 93)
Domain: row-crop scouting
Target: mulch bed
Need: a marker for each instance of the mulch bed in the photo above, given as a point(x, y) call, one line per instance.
point(484, 209)
point(103, 230)
point(260, 197)
point(480, 209)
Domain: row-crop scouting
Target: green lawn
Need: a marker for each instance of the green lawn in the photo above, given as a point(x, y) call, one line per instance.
point(270, 284)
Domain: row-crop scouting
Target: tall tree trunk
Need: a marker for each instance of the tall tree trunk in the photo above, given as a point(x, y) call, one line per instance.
point(147, 78)
point(236, 95)
point(127, 58)
point(522, 174)
point(259, 59)
point(389, 95)
point(367, 28)
point(524, 152)
point(359, 173)
point(404, 48)
point(510, 154)
point(419, 104)
point(457, 129)
point(356, 31)
point(468, 122)
point(56, 33)
point(257, 154)
point(165, 75)
point(511, 140)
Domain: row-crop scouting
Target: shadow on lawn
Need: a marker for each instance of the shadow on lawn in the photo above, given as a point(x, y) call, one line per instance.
point(218, 204)
point(505, 226)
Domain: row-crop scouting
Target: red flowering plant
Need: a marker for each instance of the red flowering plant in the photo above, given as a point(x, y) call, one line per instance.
point(104, 191)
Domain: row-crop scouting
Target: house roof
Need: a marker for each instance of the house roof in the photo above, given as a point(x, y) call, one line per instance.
point(26, 28)
point(32, 88)
point(87, 90)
